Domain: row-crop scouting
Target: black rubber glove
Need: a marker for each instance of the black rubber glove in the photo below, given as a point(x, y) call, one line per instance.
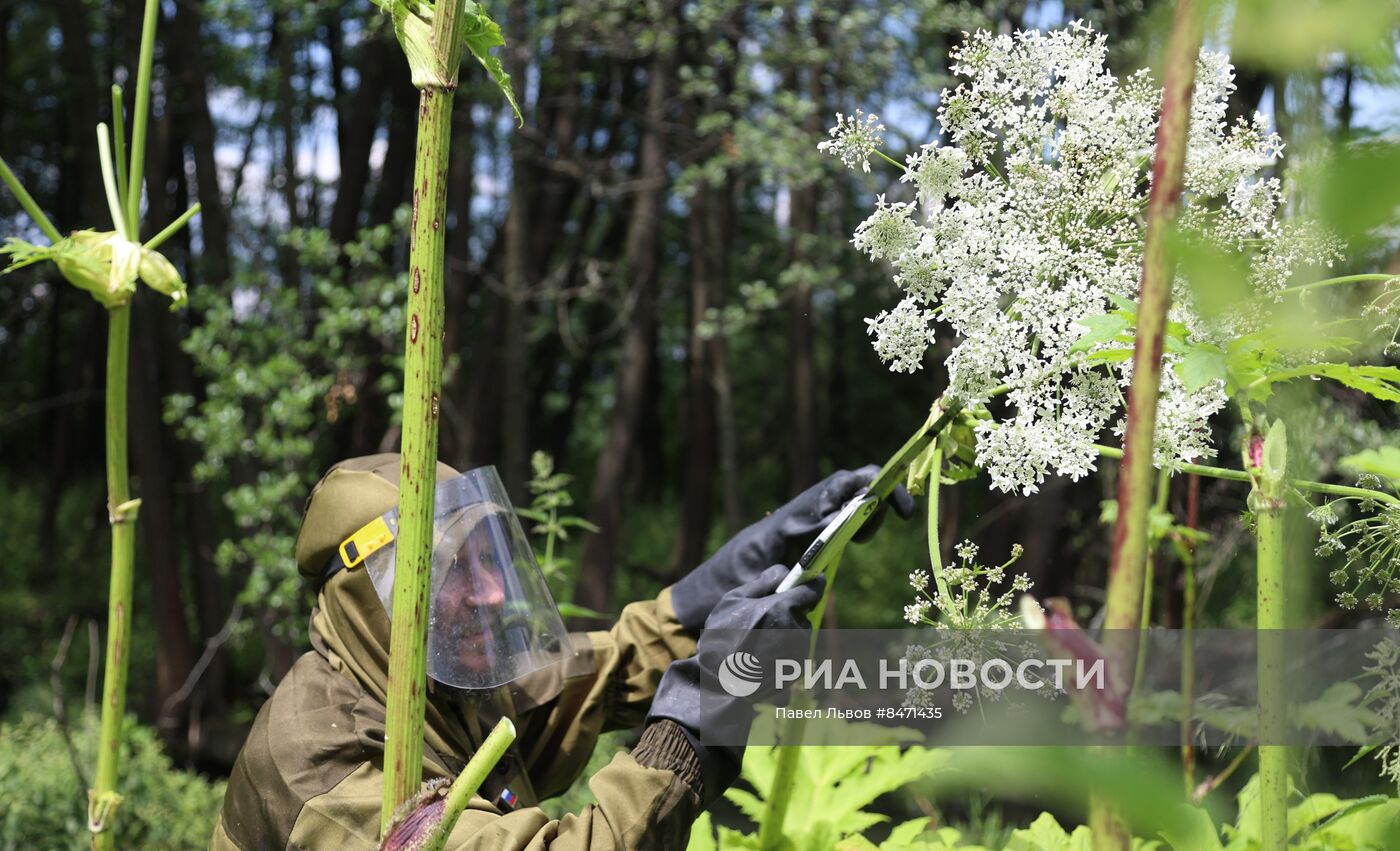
point(688, 693)
point(778, 538)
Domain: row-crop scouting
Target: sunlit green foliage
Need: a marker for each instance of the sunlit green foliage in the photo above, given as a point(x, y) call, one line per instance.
point(282, 370)
point(45, 800)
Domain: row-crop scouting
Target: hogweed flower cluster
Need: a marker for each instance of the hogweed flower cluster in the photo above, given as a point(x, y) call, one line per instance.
point(970, 620)
point(1028, 219)
point(1383, 698)
point(854, 139)
point(1371, 544)
point(973, 601)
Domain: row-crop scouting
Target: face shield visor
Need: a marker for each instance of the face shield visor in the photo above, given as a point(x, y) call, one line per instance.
point(491, 617)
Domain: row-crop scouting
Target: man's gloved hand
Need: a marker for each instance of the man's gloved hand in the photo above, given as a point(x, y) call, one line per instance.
point(778, 538)
point(752, 606)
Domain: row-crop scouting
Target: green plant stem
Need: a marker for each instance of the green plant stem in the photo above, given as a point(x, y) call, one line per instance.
point(471, 778)
point(1135, 477)
point(770, 832)
point(119, 140)
point(173, 228)
point(1127, 567)
point(26, 201)
point(1273, 758)
point(403, 762)
point(120, 507)
point(122, 516)
point(1188, 647)
point(1332, 282)
point(136, 173)
point(935, 542)
point(1267, 501)
point(1164, 481)
point(1241, 476)
point(891, 160)
point(109, 181)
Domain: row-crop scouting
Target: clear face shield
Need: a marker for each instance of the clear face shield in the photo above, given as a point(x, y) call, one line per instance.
point(491, 617)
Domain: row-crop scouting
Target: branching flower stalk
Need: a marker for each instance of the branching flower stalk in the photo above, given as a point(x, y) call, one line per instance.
point(108, 265)
point(432, 37)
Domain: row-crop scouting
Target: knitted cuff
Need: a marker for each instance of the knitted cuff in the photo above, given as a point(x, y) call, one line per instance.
point(664, 745)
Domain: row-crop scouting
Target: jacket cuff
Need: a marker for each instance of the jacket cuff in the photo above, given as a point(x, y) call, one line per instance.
point(664, 745)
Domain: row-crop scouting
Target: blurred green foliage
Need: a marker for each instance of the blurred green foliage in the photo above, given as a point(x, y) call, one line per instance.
point(44, 801)
point(281, 369)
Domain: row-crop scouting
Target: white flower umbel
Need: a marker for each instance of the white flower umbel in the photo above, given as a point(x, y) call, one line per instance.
point(902, 335)
point(1028, 219)
point(854, 139)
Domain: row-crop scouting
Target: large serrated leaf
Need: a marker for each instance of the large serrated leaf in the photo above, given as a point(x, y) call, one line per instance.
point(1201, 366)
point(1105, 328)
point(480, 35)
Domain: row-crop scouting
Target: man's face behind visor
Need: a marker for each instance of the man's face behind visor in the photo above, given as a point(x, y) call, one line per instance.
point(491, 618)
point(474, 585)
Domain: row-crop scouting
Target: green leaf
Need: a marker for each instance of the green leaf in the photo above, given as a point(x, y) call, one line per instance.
point(1109, 356)
point(1382, 382)
point(1383, 462)
point(1193, 832)
point(702, 835)
point(1361, 753)
point(1359, 186)
point(481, 34)
point(1202, 365)
point(1295, 35)
point(573, 610)
point(907, 832)
point(1101, 329)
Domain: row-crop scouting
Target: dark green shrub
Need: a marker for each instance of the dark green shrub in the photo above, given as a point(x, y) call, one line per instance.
point(45, 804)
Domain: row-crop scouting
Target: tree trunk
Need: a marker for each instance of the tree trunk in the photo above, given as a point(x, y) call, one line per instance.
point(396, 175)
point(357, 136)
point(634, 364)
point(698, 421)
point(191, 101)
point(160, 533)
point(804, 458)
point(521, 233)
point(283, 53)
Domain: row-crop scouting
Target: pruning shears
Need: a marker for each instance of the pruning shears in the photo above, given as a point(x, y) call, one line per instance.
point(826, 550)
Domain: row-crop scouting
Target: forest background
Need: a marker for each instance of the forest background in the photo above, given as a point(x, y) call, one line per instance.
point(650, 280)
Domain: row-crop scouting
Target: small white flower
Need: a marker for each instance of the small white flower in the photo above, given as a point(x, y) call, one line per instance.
point(936, 172)
point(889, 232)
point(853, 139)
point(902, 335)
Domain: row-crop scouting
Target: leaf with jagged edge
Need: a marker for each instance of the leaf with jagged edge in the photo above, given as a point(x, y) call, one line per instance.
point(481, 34)
point(413, 26)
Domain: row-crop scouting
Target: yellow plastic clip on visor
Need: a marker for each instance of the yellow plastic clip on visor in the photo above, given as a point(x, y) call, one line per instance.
point(372, 536)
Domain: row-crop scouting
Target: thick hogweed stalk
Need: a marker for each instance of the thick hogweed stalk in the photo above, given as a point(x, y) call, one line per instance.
point(432, 36)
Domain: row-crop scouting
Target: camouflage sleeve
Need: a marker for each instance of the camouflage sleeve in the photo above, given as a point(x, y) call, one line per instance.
point(646, 800)
point(632, 656)
point(607, 686)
